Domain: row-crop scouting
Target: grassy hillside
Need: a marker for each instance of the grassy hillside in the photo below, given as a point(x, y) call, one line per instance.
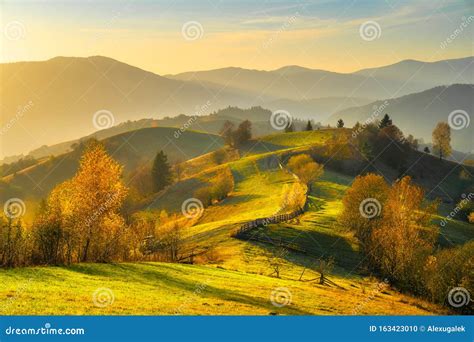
point(167, 289)
point(131, 149)
point(235, 276)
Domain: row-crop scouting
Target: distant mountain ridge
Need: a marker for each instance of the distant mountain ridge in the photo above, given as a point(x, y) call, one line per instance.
point(419, 113)
point(66, 92)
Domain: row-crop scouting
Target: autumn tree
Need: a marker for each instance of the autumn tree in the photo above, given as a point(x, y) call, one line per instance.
point(223, 184)
point(403, 240)
point(243, 133)
point(227, 132)
point(161, 172)
point(89, 205)
point(363, 205)
point(12, 241)
point(305, 168)
point(442, 140)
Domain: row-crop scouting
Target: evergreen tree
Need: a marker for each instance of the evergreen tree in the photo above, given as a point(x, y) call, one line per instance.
point(309, 126)
point(427, 149)
point(161, 172)
point(386, 121)
point(340, 123)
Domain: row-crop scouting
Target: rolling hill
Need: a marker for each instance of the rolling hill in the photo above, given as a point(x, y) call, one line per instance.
point(418, 113)
point(53, 101)
point(131, 149)
point(235, 278)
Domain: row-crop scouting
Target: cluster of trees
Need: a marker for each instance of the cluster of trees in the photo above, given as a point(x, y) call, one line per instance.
point(221, 185)
point(399, 240)
point(83, 219)
point(236, 137)
point(384, 139)
point(80, 220)
point(305, 168)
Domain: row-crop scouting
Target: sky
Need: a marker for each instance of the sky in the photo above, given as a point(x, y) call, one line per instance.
point(168, 37)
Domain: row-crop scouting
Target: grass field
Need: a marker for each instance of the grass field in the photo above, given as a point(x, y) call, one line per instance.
point(237, 277)
point(167, 289)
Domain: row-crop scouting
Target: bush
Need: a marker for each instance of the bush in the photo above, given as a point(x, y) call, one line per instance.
point(204, 195)
point(363, 204)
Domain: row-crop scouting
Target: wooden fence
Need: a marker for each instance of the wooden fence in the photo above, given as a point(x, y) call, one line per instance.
point(263, 222)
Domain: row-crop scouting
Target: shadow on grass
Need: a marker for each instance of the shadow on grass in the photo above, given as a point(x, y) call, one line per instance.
point(316, 244)
point(172, 277)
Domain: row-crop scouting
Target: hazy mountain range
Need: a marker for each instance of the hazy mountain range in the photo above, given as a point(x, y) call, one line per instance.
point(54, 101)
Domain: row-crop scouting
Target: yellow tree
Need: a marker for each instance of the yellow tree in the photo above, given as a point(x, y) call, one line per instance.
point(442, 140)
point(90, 204)
point(305, 168)
point(403, 240)
point(363, 205)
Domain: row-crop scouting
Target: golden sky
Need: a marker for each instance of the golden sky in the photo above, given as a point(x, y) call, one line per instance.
point(177, 36)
